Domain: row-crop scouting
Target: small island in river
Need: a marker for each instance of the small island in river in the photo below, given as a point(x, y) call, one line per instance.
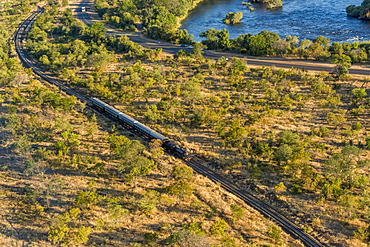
point(361, 12)
point(270, 4)
point(233, 18)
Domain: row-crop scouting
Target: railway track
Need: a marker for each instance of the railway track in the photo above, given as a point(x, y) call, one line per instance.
point(254, 202)
point(20, 37)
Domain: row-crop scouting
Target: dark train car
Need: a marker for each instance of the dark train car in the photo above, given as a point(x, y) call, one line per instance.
point(174, 148)
point(135, 126)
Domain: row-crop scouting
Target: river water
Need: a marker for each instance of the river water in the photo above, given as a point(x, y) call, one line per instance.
point(303, 18)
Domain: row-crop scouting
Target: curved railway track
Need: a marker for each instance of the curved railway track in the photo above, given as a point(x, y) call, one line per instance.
point(20, 37)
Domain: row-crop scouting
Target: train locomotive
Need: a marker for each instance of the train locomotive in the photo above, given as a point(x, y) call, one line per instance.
point(137, 127)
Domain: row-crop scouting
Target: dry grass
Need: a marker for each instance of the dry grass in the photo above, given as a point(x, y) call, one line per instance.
point(310, 112)
point(31, 203)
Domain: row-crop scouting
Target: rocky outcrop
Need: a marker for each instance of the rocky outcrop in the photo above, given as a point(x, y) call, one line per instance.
point(270, 4)
point(361, 12)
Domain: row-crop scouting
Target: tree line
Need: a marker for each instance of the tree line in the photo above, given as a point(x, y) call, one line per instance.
point(267, 43)
point(76, 44)
point(159, 18)
point(160, 21)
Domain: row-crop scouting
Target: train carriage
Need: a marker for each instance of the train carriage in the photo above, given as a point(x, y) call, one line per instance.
point(134, 125)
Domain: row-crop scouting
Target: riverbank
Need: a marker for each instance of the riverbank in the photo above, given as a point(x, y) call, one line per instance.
point(307, 20)
point(195, 4)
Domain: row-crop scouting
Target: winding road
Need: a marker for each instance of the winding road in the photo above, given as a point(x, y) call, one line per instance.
point(89, 17)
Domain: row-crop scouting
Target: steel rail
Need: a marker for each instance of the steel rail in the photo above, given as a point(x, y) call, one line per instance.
point(256, 203)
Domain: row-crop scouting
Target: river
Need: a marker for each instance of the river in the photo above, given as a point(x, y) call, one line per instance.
point(303, 18)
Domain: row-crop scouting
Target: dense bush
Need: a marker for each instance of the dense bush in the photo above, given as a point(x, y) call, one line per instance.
point(267, 43)
point(159, 18)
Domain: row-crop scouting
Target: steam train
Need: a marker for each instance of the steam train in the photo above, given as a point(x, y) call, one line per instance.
point(137, 127)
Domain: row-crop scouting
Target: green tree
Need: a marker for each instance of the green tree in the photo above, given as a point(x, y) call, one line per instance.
point(283, 153)
point(86, 199)
point(304, 43)
point(198, 49)
point(321, 88)
point(81, 236)
point(358, 94)
point(78, 52)
point(271, 39)
point(323, 41)
point(100, 60)
point(335, 118)
point(148, 203)
point(358, 55)
point(181, 189)
point(44, 59)
point(63, 231)
point(139, 166)
point(218, 227)
point(216, 39)
point(336, 48)
point(237, 211)
point(37, 34)
point(344, 165)
point(274, 232)
point(194, 227)
point(238, 66)
point(127, 6)
point(150, 238)
point(288, 137)
point(181, 171)
point(257, 45)
point(223, 39)
point(235, 132)
point(62, 148)
point(302, 48)
point(159, 22)
point(342, 62)
point(96, 31)
point(123, 147)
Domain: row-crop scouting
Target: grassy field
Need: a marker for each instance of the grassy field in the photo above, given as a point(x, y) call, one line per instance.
point(85, 195)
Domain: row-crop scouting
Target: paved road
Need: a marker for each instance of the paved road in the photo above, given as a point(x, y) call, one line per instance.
point(90, 17)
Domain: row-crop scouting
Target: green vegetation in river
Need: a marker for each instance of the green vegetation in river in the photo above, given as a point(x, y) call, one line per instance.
point(233, 18)
point(270, 4)
point(361, 12)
